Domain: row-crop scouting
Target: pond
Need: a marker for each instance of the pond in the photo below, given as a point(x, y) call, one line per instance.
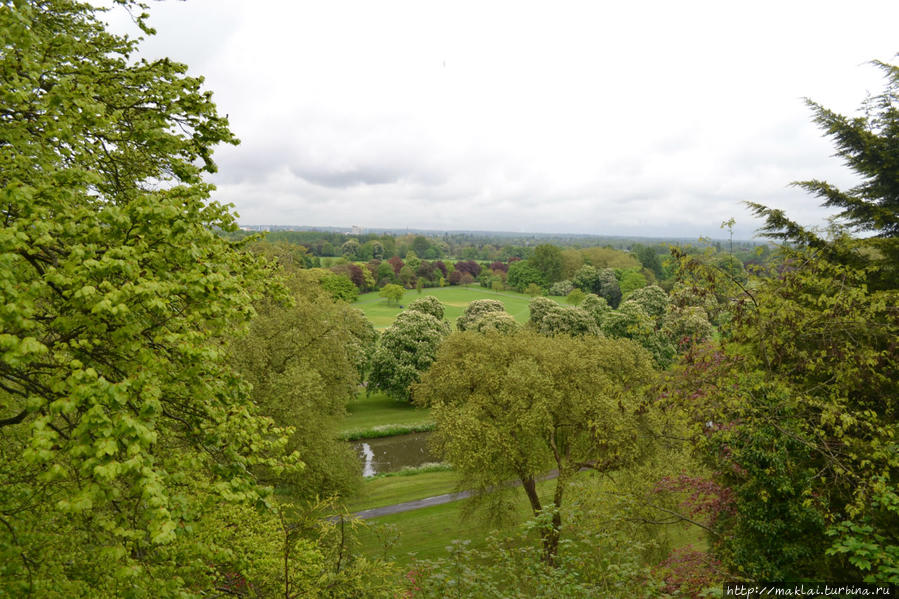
point(390, 454)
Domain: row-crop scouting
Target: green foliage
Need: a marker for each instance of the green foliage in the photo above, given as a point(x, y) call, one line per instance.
point(687, 326)
point(575, 297)
point(393, 293)
point(522, 274)
point(630, 280)
point(802, 402)
point(607, 257)
point(511, 567)
point(406, 349)
point(596, 307)
point(562, 288)
point(601, 282)
point(631, 321)
point(339, 286)
point(350, 249)
point(867, 144)
point(552, 319)
point(511, 407)
point(547, 259)
point(652, 299)
point(498, 322)
point(428, 305)
point(649, 259)
point(120, 417)
point(477, 309)
point(304, 362)
point(298, 553)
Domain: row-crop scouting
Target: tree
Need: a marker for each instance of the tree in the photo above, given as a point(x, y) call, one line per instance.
point(596, 307)
point(810, 433)
point(499, 322)
point(550, 318)
point(533, 290)
point(602, 282)
point(562, 288)
point(304, 360)
point(393, 293)
point(547, 259)
point(609, 287)
point(803, 420)
point(406, 349)
point(571, 261)
point(630, 321)
point(350, 249)
point(867, 144)
point(575, 297)
point(397, 263)
point(374, 248)
point(406, 276)
point(606, 257)
point(428, 305)
point(514, 406)
point(652, 299)
point(631, 280)
point(475, 310)
point(521, 274)
point(420, 245)
point(650, 260)
point(339, 286)
point(120, 416)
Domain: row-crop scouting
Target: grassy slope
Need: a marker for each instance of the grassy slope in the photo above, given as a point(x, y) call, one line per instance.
point(389, 490)
point(368, 412)
point(426, 533)
point(455, 299)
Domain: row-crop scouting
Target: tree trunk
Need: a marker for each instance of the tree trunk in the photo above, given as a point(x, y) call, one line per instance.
point(550, 536)
point(530, 488)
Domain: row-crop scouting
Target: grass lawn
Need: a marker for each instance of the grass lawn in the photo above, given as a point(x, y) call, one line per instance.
point(454, 299)
point(426, 533)
point(388, 490)
point(378, 410)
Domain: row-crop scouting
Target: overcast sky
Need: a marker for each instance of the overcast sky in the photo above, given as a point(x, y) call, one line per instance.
point(613, 118)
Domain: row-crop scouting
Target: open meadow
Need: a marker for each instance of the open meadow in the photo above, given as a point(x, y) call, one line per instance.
point(455, 299)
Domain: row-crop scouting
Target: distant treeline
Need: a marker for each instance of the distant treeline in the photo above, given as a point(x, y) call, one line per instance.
point(479, 245)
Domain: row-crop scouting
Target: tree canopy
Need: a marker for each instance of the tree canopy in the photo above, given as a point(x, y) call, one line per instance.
point(514, 406)
point(118, 411)
point(867, 144)
point(406, 349)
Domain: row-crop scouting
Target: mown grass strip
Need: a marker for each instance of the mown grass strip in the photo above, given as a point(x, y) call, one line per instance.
point(376, 411)
point(386, 430)
point(413, 470)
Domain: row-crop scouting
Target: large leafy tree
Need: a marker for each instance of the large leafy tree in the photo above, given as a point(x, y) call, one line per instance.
point(305, 359)
point(407, 348)
point(513, 406)
point(797, 417)
point(547, 259)
point(824, 327)
point(118, 412)
point(475, 310)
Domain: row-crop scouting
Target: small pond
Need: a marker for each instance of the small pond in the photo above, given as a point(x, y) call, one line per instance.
point(389, 454)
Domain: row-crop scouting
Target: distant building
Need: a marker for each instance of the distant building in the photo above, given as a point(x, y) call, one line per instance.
point(356, 230)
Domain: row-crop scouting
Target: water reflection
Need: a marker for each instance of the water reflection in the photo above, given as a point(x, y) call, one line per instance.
point(389, 454)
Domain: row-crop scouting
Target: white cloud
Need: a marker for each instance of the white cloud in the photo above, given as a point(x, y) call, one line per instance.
point(654, 117)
